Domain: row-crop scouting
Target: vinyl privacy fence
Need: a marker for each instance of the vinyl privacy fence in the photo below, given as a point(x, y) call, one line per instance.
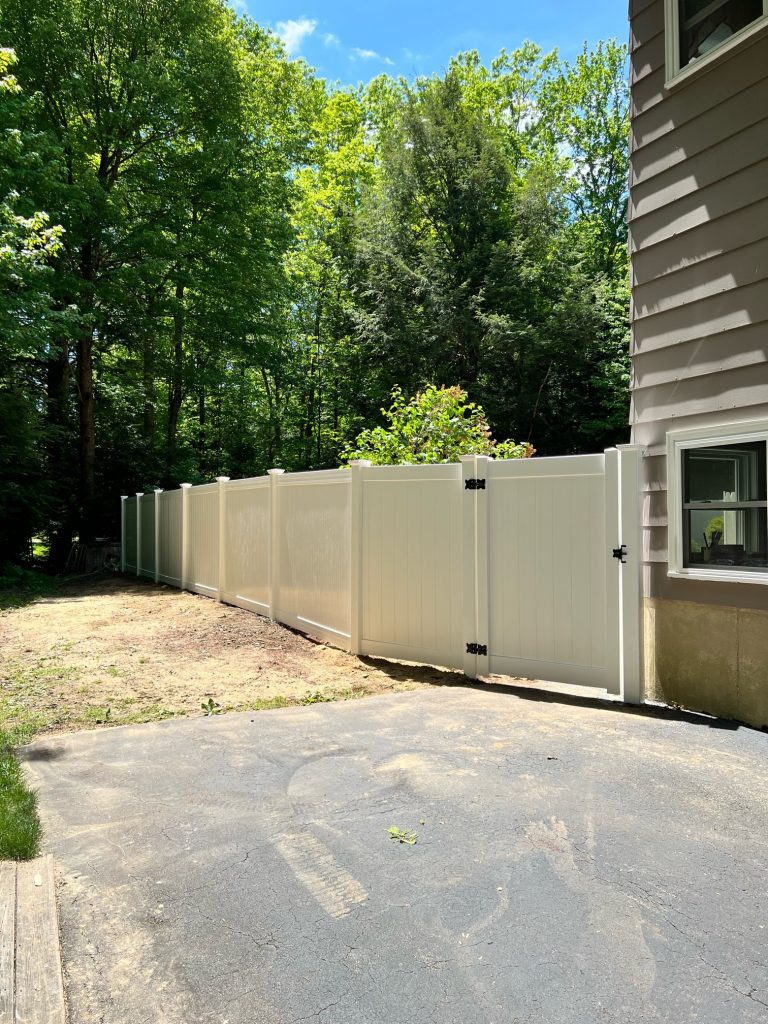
point(484, 566)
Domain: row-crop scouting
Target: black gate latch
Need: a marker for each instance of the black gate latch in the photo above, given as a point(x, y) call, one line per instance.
point(474, 483)
point(620, 553)
point(477, 649)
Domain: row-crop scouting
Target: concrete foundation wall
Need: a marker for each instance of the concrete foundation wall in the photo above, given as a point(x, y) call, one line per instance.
point(708, 658)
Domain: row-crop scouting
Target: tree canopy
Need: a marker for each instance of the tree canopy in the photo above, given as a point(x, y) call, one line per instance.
point(212, 261)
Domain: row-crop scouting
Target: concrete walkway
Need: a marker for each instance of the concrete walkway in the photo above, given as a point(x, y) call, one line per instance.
point(574, 865)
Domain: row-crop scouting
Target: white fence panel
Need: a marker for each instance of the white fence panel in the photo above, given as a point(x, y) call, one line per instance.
point(312, 553)
point(553, 584)
point(169, 557)
point(147, 538)
point(247, 544)
point(411, 572)
point(203, 543)
point(129, 539)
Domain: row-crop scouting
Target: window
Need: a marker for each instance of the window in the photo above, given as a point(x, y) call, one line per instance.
point(718, 505)
point(698, 29)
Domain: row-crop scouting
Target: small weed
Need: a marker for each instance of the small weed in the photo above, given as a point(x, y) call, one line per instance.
point(210, 707)
point(317, 698)
point(398, 835)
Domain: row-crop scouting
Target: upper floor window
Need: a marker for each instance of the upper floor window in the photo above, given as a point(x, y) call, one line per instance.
point(718, 504)
point(698, 29)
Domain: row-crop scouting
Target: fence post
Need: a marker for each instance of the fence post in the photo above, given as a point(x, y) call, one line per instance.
point(221, 588)
point(158, 492)
point(356, 555)
point(139, 496)
point(274, 542)
point(631, 585)
point(475, 484)
point(185, 488)
point(483, 465)
point(123, 499)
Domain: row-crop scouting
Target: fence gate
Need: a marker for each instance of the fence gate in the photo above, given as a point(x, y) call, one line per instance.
point(554, 545)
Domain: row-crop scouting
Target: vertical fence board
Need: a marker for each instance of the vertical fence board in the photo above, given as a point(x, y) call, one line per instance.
point(247, 544)
point(169, 562)
point(204, 539)
point(147, 512)
point(313, 537)
point(411, 563)
point(129, 537)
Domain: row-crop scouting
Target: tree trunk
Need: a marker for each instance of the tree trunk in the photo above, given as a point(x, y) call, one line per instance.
point(86, 398)
point(176, 394)
point(149, 391)
point(59, 454)
point(87, 437)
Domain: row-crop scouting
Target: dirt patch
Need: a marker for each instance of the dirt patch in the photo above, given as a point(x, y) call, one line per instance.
point(113, 650)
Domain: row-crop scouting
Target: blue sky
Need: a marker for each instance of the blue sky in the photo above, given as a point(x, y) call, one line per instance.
point(354, 40)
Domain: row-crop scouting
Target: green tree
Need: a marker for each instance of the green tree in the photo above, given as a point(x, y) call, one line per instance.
point(177, 128)
point(27, 318)
point(584, 110)
point(469, 268)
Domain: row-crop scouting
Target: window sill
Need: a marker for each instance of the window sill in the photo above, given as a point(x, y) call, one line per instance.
point(710, 575)
point(739, 41)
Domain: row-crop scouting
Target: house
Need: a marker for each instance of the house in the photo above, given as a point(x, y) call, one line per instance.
point(699, 246)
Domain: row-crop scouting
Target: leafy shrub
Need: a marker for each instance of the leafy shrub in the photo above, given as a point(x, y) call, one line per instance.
point(437, 425)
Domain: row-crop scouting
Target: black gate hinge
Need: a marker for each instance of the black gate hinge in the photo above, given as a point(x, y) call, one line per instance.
point(474, 483)
point(477, 649)
point(620, 553)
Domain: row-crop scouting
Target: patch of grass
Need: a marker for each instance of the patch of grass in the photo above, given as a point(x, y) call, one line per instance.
point(19, 587)
point(147, 713)
point(17, 723)
point(98, 715)
point(40, 549)
point(267, 704)
point(20, 830)
point(317, 698)
point(123, 711)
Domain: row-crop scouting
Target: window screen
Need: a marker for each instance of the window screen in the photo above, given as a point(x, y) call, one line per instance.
point(725, 506)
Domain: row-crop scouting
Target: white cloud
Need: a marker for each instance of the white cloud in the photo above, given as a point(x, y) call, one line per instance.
point(360, 54)
point(331, 40)
point(294, 31)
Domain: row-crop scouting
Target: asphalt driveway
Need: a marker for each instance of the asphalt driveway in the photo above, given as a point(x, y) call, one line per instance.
point(573, 864)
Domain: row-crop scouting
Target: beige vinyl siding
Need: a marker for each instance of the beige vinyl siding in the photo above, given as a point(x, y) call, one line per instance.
point(699, 245)
point(745, 346)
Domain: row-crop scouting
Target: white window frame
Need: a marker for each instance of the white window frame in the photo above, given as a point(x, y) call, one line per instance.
point(702, 437)
point(676, 74)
